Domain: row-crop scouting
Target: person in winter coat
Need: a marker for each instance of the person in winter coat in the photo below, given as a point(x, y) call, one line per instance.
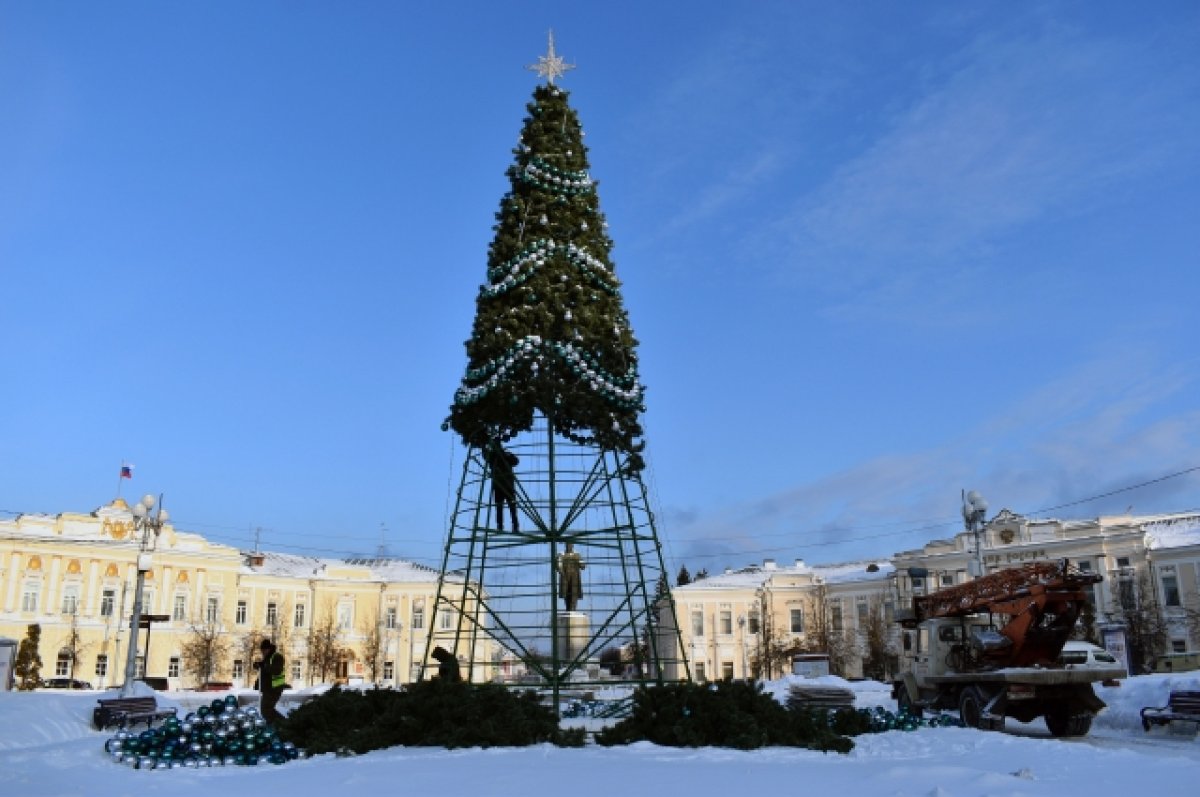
point(271, 680)
point(447, 664)
point(501, 462)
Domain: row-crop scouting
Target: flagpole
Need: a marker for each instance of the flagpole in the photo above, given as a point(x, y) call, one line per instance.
point(120, 477)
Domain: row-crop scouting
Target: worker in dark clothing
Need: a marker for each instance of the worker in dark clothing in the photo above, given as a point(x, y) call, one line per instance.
point(500, 463)
point(447, 664)
point(271, 680)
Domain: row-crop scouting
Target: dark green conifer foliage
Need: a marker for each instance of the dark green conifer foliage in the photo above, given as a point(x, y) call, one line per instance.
point(551, 334)
point(28, 665)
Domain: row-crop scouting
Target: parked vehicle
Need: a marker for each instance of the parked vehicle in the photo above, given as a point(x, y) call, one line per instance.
point(65, 683)
point(991, 648)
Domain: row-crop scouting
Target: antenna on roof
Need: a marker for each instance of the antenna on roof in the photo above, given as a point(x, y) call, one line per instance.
point(382, 551)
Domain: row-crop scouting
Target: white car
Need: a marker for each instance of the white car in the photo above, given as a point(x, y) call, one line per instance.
point(1084, 655)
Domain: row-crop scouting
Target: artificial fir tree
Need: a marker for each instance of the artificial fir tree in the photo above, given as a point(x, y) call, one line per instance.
point(551, 334)
point(549, 412)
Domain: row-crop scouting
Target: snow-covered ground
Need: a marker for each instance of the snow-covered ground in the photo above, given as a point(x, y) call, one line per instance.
point(48, 747)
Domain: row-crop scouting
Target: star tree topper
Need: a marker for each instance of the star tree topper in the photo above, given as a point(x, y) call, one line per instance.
point(550, 65)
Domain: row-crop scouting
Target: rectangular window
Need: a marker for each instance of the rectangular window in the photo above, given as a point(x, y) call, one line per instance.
point(861, 608)
point(389, 618)
point(296, 671)
point(697, 623)
point(1170, 585)
point(699, 671)
point(70, 602)
point(1179, 646)
point(214, 607)
point(180, 610)
point(797, 621)
point(272, 615)
point(389, 671)
point(102, 665)
point(835, 617)
point(1084, 566)
point(345, 616)
point(947, 579)
point(147, 602)
point(727, 671)
point(62, 665)
point(726, 622)
point(29, 597)
point(752, 622)
point(418, 618)
point(445, 620)
point(173, 667)
point(108, 600)
point(298, 619)
point(239, 614)
point(239, 668)
point(889, 612)
point(1122, 561)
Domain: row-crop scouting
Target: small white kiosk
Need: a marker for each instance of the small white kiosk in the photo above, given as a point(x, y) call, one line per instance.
point(8, 661)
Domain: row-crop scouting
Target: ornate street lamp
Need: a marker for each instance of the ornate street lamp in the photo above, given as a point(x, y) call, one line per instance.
point(974, 512)
point(150, 526)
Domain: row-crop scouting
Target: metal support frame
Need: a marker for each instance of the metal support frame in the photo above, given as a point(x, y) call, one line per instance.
point(501, 587)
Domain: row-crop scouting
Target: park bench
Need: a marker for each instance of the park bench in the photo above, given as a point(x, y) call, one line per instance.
point(125, 712)
point(1181, 705)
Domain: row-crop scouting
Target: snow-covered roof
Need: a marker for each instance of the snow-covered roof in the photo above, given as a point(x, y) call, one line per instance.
point(756, 575)
point(296, 566)
point(1173, 532)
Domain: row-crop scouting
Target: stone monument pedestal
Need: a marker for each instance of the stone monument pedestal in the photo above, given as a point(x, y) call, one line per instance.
point(573, 634)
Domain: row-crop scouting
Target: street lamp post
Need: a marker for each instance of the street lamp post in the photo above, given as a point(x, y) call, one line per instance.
point(974, 511)
point(147, 524)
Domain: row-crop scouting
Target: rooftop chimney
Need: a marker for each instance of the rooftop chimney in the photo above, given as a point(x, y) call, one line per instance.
point(768, 564)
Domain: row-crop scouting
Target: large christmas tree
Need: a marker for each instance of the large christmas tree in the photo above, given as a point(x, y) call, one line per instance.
point(551, 334)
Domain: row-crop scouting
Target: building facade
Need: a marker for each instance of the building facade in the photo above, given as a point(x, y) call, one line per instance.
point(75, 576)
point(750, 622)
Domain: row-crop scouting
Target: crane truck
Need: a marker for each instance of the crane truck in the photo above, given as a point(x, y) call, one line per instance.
point(989, 648)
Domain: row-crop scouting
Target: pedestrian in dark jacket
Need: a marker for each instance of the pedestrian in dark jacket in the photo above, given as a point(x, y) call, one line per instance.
point(271, 680)
point(500, 463)
point(447, 664)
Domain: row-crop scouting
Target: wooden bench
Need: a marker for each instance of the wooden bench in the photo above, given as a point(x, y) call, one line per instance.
point(1182, 705)
point(125, 712)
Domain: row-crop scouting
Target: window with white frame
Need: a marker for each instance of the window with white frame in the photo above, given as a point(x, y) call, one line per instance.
point(70, 599)
point(697, 623)
point(1170, 586)
point(239, 613)
point(296, 671)
point(173, 667)
point(272, 614)
point(445, 620)
point(418, 616)
point(752, 622)
point(62, 664)
point(147, 602)
point(299, 615)
point(345, 615)
point(389, 670)
point(212, 612)
point(389, 618)
point(108, 600)
point(179, 612)
point(700, 671)
point(102, 665)
point(726, 620)
point(239, 669)
point(863, 612)
point(29, 596)
point(835, 615)
point(796, 619)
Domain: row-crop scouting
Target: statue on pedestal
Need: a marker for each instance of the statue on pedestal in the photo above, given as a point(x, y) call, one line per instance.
point(570, 579)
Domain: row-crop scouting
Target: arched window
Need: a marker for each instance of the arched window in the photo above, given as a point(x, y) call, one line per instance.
point(62, 665)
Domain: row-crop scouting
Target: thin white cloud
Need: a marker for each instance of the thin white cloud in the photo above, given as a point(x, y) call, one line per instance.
point(1103, 426)
point(1015, 130)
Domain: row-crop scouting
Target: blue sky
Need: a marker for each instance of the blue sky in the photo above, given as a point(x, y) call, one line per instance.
point(875, 253)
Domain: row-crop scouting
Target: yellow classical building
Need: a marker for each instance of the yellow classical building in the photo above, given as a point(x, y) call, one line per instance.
point(75, 576)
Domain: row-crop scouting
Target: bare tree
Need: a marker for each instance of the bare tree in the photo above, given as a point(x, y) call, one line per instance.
point(324, 646)
point(1145, 624)
point(74, 644)
point(877, 641)
point(775, 647)
point(247, 648)
point(827, 633)
point(205, 651)
point(373, 646)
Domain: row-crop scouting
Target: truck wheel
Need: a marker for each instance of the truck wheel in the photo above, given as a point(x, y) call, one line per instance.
point(970, 707)
point(1062, 724)
point(904, 704)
